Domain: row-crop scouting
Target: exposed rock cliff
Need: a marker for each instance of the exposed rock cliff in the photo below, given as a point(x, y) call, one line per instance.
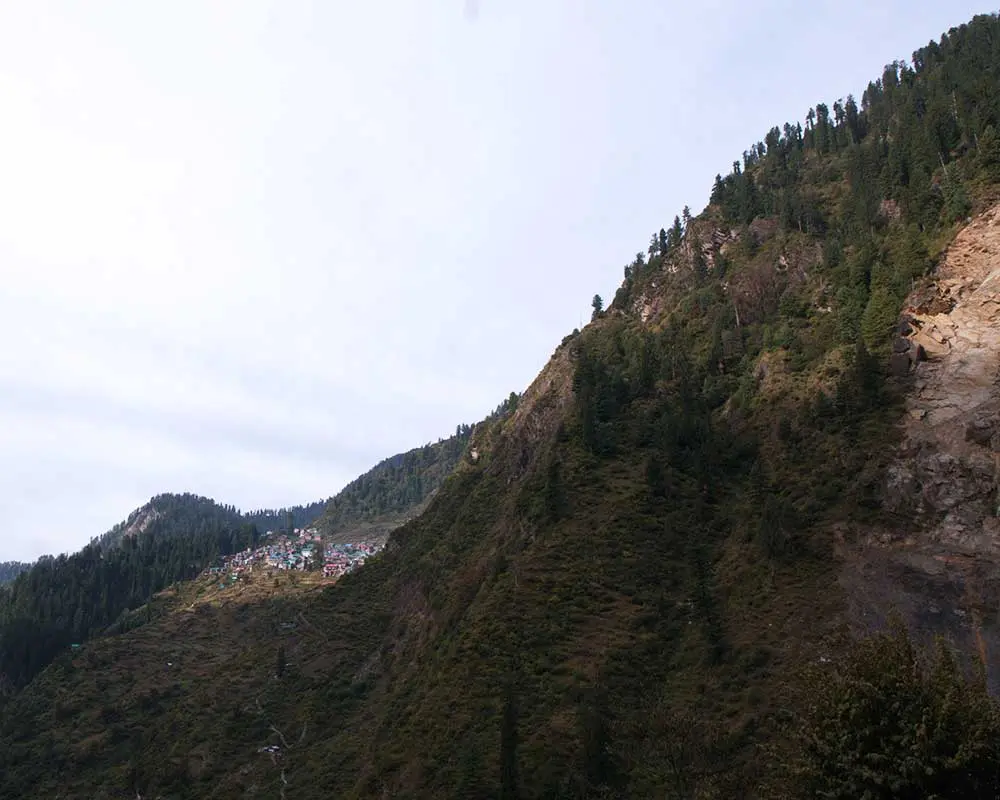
point(948, 466)
point(941, 566)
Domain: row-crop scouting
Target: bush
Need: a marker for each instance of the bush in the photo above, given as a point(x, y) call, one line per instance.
point(887, 723)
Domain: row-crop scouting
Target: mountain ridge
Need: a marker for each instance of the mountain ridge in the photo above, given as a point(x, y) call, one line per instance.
point(63, 601)
point(633, 584)
point(380, 498)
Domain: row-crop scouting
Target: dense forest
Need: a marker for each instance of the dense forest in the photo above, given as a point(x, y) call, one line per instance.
point(632, 590)
point(67, 599)
point(403, 482)
point(397, 483)
point(280, 519)
point(801, 261)
point(395, 486)
point(11, 569)
point(758, 403)
point(170, 514)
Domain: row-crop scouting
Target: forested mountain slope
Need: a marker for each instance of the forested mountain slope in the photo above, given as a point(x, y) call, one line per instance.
point(398, 488)
point(65, 600)
point(637, 583)
point(167, 515)
point(374, 503)
point(170, 514)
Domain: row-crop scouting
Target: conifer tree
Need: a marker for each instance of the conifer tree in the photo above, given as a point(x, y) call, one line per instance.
point(988, 155)
point(676, 233)
point(509, 779)
point(883, 723)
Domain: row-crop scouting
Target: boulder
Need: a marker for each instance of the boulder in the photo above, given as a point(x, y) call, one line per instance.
point(979, 431)
point(899, 365)
point(902, 490)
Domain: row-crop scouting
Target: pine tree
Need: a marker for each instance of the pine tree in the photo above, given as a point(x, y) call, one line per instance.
point(718, 193)
point(881, 723)
point(676, 233)
point(852, 119)
point(509, 780)
point(595, 719)
point(988, 154)
point(956, 200)
point(822, 128)
point(654, 246)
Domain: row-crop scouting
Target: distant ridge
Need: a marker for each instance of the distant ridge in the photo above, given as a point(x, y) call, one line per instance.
point(11, 569)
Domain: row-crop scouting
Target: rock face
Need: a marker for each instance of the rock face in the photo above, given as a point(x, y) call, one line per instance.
point(942, 569)
point(947, 469)
point(145, 517)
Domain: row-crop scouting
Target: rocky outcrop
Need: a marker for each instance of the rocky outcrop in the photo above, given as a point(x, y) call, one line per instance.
point(141, 520)
point(941, 566)
point(950, 337)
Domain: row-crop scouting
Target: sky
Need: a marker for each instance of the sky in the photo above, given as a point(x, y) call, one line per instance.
point(248, 249)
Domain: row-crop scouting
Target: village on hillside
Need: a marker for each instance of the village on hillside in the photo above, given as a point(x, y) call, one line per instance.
point(303, 551)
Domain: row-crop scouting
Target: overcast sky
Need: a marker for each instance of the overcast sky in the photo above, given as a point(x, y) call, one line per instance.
point(249, 249)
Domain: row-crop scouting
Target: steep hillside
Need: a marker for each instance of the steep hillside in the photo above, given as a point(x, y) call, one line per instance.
point(641, 581)
point(66, 600)
point(943, 570)
point(375, 503)
point(393, 491)
point(167, 515)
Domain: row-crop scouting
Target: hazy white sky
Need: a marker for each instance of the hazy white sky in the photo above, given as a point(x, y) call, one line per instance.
point(248, 249)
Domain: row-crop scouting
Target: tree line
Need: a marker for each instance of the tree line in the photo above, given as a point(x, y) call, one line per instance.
point(11, 569)
point(67, 599)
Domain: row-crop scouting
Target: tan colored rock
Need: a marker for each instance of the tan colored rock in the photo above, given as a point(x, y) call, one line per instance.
point(942, 570)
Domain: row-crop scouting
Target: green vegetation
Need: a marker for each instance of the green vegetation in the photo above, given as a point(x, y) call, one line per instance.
point(284, 518)
point(398, 488)
point(630, 590)
point(11, 569)
point(886, 723)
point(68, 599)
point(169, 515)
point(395, 486)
